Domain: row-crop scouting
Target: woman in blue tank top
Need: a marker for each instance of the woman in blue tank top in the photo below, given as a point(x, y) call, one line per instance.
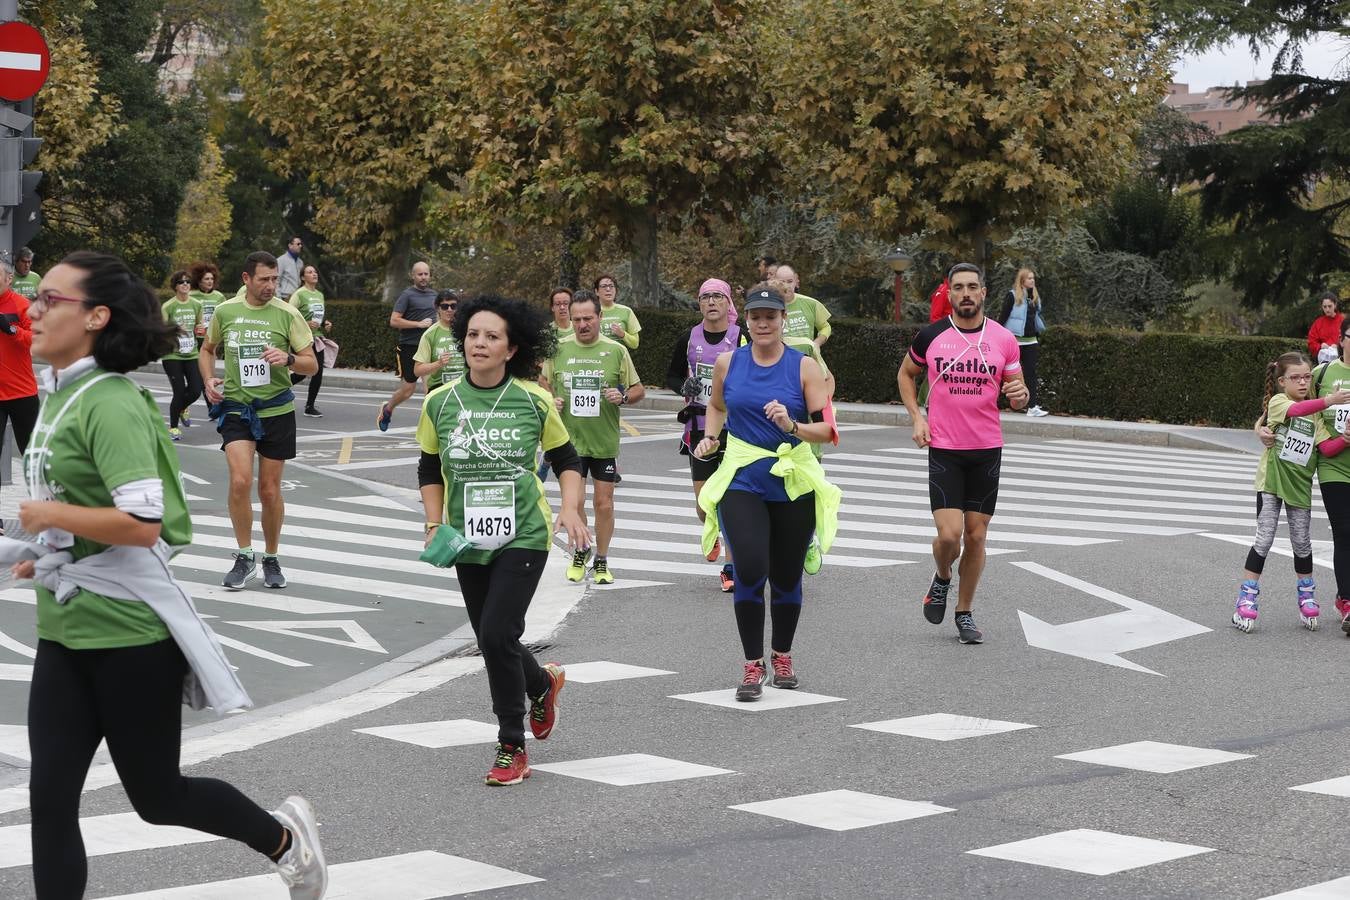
point(771, 399)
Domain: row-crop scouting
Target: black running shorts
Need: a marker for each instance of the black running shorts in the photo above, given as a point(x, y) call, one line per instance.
point(600, 468)
point(964, 479)
point(405, 362)
point(278, 440)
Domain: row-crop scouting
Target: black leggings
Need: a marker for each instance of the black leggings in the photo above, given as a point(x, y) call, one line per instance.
point(186, 380)
point(1029, 352)
point(496, 597)
point(769, 543)
point(132, 696)
point(315, 380)
point(1336, 500)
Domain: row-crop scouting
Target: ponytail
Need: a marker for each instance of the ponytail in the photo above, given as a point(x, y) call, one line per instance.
point(1272, 373)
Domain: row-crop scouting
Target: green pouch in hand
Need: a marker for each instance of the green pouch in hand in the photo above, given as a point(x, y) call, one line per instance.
point(447, 545)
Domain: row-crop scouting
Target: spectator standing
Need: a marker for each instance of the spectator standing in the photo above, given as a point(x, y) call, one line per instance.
point(1325, 334)
point(290, 269)
point(1021, 314)
point(25, 279)
point(414, 312)
point(18, 387)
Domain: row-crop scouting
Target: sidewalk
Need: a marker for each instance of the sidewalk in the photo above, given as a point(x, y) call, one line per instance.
point(1190, 437)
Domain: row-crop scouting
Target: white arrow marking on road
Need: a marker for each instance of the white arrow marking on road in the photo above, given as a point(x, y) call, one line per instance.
point(26, 62)
point(358, 637)
point(193, 478)
point(1102, 638)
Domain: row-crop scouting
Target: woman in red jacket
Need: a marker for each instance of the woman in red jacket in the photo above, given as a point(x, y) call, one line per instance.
point(1325, 334)
point(18, 387)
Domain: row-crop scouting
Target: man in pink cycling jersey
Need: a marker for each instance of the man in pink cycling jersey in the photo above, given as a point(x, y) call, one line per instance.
point(969, 361)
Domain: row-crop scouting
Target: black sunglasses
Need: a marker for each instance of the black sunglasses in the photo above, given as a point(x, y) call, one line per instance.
point(446, 305)
point(184, 281)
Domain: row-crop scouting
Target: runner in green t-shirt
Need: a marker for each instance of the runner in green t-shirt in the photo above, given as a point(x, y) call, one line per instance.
point(103, 482)
point(559, 302)
point(479, 435)
point(205, 279)
point(185, 379)
point(617, 322)
point(806, 316)
point(308, 299)
point(25, 279)
point(590, 377)
point(438, 359)
point(263, 338)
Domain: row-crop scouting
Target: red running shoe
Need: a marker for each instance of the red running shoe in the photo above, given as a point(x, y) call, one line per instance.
point(544, 708)
point(1343, 607)
point(728, 582)
point(510, 767)
point(752, 685)
point(716, 551)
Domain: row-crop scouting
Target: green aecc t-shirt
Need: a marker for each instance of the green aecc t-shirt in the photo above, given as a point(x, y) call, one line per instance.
point(187, 315)
point(487, 439)
point(437, 340)
point(245, 331)
point(110, 435)
point(579, 374)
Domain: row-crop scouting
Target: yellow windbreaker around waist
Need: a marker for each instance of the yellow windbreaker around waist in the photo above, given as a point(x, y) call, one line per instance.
point(801, 473)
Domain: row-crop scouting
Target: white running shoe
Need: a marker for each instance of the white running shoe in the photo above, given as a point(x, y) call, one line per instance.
point(1036, 412)
point(302, 867)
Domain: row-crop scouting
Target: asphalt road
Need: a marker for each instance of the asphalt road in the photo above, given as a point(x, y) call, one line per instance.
point(1105, 612)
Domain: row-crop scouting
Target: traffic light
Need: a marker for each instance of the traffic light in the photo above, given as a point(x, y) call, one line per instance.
point(27, 216)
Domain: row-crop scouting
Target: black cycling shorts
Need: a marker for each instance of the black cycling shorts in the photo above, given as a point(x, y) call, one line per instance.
point(278, 440)
point(700, 469)
point(405, 362)
point(964, 479)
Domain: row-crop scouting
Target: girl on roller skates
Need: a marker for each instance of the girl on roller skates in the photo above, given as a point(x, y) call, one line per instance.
point(1284, 478)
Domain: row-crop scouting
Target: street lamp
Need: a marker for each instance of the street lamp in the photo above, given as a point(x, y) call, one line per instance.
point(899, 261)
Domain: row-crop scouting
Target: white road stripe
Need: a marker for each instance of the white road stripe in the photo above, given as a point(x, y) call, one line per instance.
point(259, 652)
point(411, 523)
point(1050, 461)
point(103, 835)
point(278, 601)
point(390, 563)
point(420, 593)
point(293, 532)
point(425, 875)
point(628, 543)
point(1146, 450)
point(1074, 479)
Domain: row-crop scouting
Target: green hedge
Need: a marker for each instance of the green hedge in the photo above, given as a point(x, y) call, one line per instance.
point(1127, 376)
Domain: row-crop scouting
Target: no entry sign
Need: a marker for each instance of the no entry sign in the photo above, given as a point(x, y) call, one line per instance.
point(24, 61)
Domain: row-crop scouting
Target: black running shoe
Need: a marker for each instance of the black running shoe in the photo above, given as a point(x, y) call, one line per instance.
point(313, 412)
point(935, 603)
point(966, 631)
point(752, 685)
point(272, 576)
point(244, 569)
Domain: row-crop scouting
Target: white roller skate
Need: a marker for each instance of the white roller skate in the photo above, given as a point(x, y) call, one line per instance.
point(1244, 616)
point(1307, 606)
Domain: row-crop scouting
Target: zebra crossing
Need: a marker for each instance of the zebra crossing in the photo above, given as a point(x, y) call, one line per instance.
point(701, 786)
point(1061, 494)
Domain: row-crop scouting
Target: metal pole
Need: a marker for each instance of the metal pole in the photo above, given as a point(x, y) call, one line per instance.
point(899, 287)
point(9, 10)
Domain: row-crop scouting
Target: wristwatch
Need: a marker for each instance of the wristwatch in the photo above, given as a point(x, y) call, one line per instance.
point(623, 398)
point(290, 360)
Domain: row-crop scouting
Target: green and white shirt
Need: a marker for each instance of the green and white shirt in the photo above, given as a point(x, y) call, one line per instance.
point(209, 303)
point(626, 319)
point(246, 331)
point(560, 333)
point(1335, 419)
point(310, 303)
point(87, 443)
point(806, 317)
point(437, 340)
point(27, 285)
point(579, 374)
point(187, 314)
point(487, 439)
point(1286, 469)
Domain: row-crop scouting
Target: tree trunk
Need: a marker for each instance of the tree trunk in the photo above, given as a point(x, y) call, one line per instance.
point(406, 213)
point(642, 257)
point(569, 263)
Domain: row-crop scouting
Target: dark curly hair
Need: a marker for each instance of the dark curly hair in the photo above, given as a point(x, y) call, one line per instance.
point(526, 329)
point(178, 276)
point(137, 332)
point(199, 269)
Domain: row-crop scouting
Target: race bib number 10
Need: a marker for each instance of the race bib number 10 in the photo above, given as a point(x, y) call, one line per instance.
point(254, 371)
point(490, 513)
point(705, 386)
point(585, 396)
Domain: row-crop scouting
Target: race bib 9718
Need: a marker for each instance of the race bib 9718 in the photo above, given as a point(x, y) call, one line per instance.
point(254, 371)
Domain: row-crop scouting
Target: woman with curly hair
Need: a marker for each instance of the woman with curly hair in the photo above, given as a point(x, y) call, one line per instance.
point(479, 436)
point(205, 278)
